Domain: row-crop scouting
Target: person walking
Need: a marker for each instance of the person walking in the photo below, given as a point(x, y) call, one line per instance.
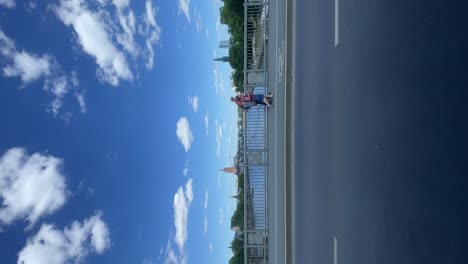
point(260, 98)
point(247, 100)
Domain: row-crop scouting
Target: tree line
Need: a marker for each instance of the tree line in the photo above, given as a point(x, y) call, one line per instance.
point(232, 15)
point(237, 219)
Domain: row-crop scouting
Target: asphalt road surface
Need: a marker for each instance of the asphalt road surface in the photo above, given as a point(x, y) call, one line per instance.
point(378, 132)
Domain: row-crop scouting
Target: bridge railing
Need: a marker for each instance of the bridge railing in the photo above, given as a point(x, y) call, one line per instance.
point(255, 156)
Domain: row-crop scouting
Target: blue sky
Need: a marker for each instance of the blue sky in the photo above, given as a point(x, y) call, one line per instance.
point(115, 122)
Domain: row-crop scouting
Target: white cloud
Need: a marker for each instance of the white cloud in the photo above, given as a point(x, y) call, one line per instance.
point(95, 40)
point(189, 191)
point(59, 88)
point(205, 226)
point(219, 137)
point(211, 247)
point(182, 201)
point(121, 3)
point(31, 186)
point(28, 67)
point(184, 133)
point(152, 32)
point(125, 39)
point(72, 245)
point(184, 6)
point(207, 33)
point(150, 14)
point(74, 79)
point(81, 102)
point(216, 73)
point(198, 22)
point(8, 3)
point(7, 46)
point(31, 6)
point(185, 171)
point(193, 101)
point(171, 257)
point(206, 123)
point(205, 205)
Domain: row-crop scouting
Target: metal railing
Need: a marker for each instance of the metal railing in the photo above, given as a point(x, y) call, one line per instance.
point(255, 156)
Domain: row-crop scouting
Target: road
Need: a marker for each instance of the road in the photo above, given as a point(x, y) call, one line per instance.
point(376, 132)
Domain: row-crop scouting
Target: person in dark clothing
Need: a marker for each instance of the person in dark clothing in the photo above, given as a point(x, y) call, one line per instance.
point(249, 99)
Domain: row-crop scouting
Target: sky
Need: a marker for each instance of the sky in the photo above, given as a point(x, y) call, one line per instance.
point(115, 123)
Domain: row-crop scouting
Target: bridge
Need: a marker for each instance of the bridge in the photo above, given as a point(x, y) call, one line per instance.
point(263, 145)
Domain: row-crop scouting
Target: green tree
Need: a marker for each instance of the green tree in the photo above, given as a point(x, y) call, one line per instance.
point(237, 247)
point(232, 15)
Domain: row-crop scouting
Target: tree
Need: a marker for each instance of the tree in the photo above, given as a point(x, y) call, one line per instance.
point(237, 247)
point(232, 15)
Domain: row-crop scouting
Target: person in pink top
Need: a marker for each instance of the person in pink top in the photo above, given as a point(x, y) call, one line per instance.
point(249, 99)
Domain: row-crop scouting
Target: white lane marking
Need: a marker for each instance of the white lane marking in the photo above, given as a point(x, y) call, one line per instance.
point(281, 62)
point(336, 23)
point(276, 151)
point(335, 250)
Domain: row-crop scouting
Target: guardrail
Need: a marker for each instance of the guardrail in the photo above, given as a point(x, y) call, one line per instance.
point(255, 156)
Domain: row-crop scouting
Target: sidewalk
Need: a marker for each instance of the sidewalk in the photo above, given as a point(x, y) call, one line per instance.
point(278, 177)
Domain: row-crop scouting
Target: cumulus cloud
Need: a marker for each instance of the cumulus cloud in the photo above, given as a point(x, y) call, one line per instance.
point(111, 39)
point(184, 133)
point(193, 101)
point(31, 186)
point(27, 66)
point(72, 245)
point(8, 3)
point(182, 201)
point(30, 67)
point(184, 6)
point(95, 40)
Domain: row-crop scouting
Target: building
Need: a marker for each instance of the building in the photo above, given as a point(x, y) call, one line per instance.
point(223, 59)
point(230, 170)
point(225, 44)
